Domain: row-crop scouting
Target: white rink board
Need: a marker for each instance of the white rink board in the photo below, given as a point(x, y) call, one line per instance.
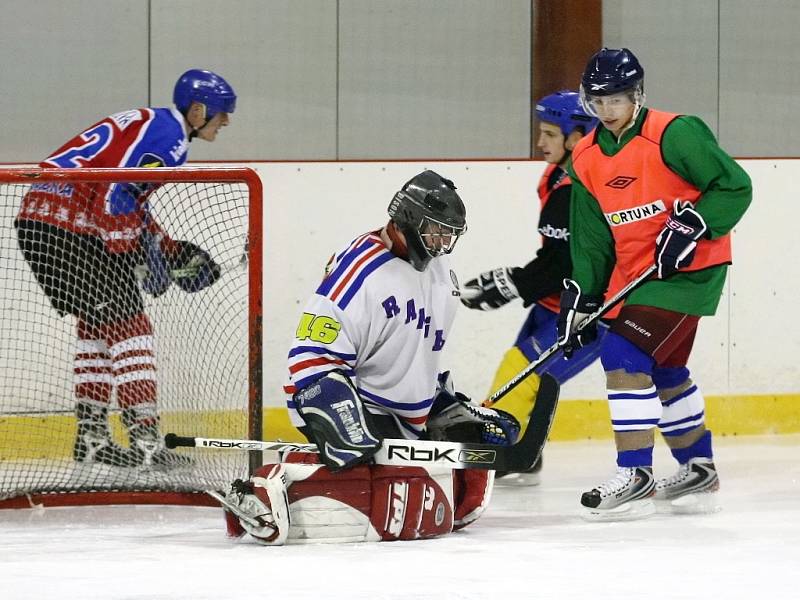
point(313, 209)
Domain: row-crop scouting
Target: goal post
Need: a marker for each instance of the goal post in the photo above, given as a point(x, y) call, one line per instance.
point(208, 355)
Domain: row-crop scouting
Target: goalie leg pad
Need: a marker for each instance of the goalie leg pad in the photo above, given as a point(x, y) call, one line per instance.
point(472, 491)
point(410, 503)
point(363, 504)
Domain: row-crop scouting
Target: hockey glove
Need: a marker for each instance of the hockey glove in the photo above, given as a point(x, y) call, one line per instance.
point(153, 270)
point(575, 307)
point(490, 290)
point(453, 417)
point(676, 244)
point(192, 268)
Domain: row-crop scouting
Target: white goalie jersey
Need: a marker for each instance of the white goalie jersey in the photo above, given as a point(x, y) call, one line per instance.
point(381, 322)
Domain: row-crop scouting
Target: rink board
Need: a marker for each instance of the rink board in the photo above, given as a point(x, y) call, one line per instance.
point(590, 419)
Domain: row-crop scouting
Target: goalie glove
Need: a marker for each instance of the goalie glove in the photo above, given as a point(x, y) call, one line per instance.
point(490, 290)
point(454, 418)
point(676, 244)
point(191, 267)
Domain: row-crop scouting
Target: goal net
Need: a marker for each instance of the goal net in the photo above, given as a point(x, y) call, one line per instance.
point(204, 346)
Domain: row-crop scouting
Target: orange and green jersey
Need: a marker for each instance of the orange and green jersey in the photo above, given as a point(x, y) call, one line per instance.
point(623, 190)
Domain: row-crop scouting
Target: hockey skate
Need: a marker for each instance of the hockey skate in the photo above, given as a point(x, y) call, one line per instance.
point(692, 489)
point(93, 443)
point(528, 478)
point(626, 496)
point(148, 445)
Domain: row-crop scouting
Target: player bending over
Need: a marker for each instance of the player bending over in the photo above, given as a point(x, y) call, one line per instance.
point(89, 244)
point(364, 366)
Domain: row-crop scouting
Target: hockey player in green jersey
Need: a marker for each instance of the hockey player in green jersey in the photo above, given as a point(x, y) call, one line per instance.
point(648, 187)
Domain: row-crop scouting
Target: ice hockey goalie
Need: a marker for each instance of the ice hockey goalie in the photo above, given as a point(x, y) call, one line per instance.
point(302, 501)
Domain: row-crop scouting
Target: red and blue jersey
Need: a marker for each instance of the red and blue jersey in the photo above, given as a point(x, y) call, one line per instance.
point(114, 212)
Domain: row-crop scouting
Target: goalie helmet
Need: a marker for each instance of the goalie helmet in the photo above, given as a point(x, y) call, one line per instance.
point(207, 88)
point(564, 110)
point(431, 216)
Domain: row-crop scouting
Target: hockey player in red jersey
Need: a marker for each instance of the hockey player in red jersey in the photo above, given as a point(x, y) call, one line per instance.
point(365, 366)
point(92, 245)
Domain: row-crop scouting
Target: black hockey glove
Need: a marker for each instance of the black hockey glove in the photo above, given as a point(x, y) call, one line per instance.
point(676, 244)
point(454, 418)
point(153, 269)
point(490, 290)
point(192, 268)
point(575, 307)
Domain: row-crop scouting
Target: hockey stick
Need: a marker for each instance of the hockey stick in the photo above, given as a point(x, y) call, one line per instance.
point(141, 272)
point(544, 408)
point(406, 453)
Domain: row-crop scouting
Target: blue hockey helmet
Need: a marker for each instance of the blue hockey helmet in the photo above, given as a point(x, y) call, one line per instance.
point(431, 216)
point(207, 88)
point(611, 71)
point(565, 110)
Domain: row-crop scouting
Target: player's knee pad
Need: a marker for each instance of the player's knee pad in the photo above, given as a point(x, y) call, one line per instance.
point(666, 378)
point(336, 421)
point(618, 353)
point(632, 398)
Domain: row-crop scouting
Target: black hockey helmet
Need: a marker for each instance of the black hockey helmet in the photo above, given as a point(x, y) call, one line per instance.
point(431, 216)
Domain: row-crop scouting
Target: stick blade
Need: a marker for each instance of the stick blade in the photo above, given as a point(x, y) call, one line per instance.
point(527, 450)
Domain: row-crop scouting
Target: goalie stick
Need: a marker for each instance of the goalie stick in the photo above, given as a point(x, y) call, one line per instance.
point(398, 452)
point(141, 271)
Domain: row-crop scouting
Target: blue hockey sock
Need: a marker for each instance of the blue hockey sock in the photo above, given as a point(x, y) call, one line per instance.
point(700, 449)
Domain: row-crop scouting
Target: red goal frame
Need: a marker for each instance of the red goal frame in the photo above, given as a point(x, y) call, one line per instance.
point(242, 175)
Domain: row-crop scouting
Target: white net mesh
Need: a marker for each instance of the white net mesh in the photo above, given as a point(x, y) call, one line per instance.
point(201, 355)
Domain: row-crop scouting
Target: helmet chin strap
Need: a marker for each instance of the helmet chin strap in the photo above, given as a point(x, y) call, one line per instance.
point(196, 130)
point(638, 104)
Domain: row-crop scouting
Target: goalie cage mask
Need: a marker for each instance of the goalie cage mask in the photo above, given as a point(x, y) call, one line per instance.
point(431, 216)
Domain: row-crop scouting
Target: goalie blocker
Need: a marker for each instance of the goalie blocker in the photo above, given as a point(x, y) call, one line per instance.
point(302, 501)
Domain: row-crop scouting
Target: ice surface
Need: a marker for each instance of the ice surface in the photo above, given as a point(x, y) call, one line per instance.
point(531, 543)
